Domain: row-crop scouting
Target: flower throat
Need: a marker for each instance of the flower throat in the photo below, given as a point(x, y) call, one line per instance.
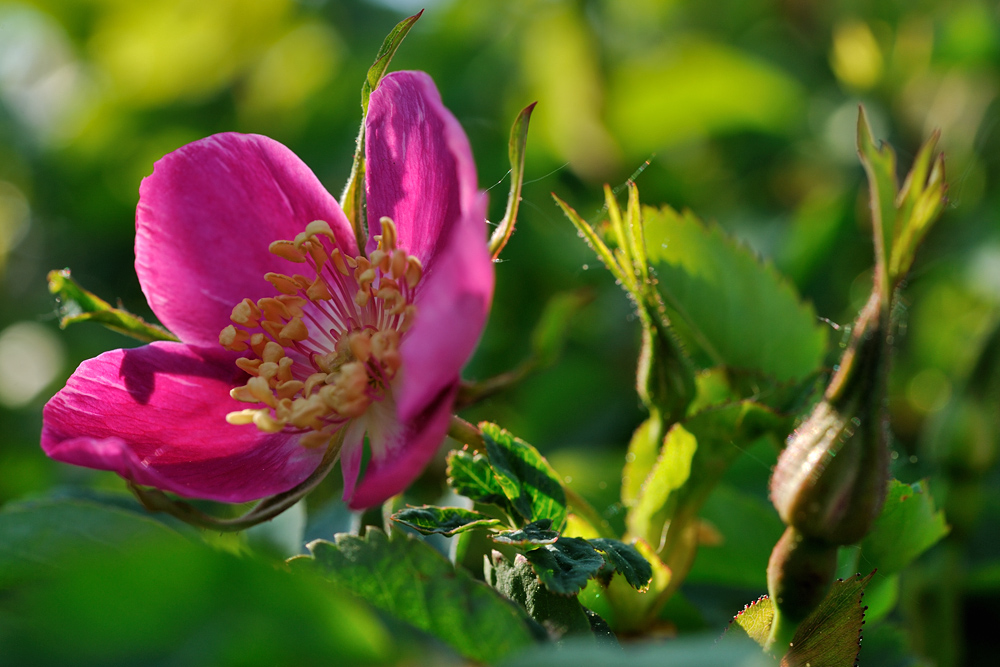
point(326, 347)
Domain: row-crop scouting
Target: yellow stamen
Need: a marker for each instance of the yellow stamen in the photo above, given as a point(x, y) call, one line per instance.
point(246, 313)
point(282, 283)
point(295, 330)
point(414, 271)
point(287, 250)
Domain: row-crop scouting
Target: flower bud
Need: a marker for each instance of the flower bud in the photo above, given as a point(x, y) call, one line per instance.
point(831, 479)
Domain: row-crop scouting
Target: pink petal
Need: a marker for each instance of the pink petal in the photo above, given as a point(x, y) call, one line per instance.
point(401, 451)
point(157, 415)
point(453, 301)
point(204, 222)
point(420, 170)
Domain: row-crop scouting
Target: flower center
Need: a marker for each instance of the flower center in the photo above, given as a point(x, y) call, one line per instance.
point(327, 346)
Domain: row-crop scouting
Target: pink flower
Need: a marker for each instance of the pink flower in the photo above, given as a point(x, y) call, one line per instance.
point(234, 234)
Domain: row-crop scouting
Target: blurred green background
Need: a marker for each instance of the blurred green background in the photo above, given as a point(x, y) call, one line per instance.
point(742, 110)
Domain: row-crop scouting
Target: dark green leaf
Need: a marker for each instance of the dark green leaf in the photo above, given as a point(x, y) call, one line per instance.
point(410, 580)
point(38, 537)
point(558, 614)
point(444, 520)
point(78, 305)
point(565, 566)
point(470, 475)
point(536, 532)
point(725, 302)
point(908, 526)
point(527, 479)
point(627, 560)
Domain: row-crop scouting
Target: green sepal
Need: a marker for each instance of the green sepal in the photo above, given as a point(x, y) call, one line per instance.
point(446, 521)
point(515, 152)
point(528, 481)
point(535, 533)
point(409, 580)
point(565, 567)
point(352, 201)
point(78, 305)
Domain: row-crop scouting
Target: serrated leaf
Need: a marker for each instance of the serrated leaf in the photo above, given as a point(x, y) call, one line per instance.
point(536, 532)
point(723, 301)
point(830, 636)
point(565, 566)
point(754, 621)
point(908, 526)
point(470, 475)
point(626, 560)
point(446, 521)
point(411, 581)
point(527, 479)
point(559, 614)
point(78, 305)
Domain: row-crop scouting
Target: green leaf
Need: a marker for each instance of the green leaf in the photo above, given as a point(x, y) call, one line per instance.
point(830, 636)
point(750, 527)
point(37, 537)
point(625, 559)
point(565, 566)
point(78, 305)
point(527, 479)
point(559, 614)
point(515, 151)
point(723, 301)
point(470, 475)
point(444, 520)
point(120, 588)
point(754, 621)
point(908, 526)
point(411, 581)
point(535, 533)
